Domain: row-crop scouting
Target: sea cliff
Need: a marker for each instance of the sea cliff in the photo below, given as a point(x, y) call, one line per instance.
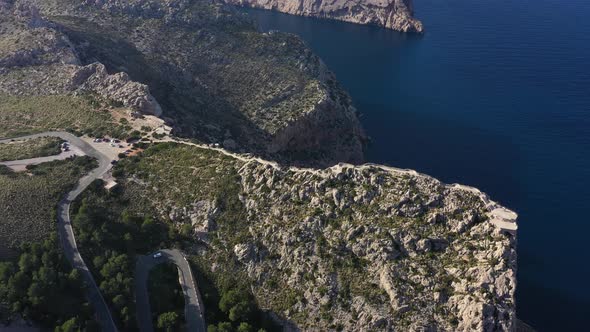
point(391, 14)
point(346, 247)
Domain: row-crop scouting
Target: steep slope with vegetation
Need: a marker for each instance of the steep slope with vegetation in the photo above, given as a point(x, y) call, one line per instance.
point(217, 78)
point(354, 248)
point(32, 148)
point(28, 200)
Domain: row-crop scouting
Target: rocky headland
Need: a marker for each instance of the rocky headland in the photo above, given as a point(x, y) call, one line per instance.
point(392, 14)
point(352, 248)
point(346, 247)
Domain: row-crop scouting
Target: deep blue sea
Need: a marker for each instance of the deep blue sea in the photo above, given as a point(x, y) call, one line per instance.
point(496, 95)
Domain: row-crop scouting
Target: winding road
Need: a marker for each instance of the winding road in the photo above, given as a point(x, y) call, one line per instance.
point(193, 309)
point(64, 226)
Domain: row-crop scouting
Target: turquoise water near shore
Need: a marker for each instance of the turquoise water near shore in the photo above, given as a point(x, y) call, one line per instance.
point(495, 95)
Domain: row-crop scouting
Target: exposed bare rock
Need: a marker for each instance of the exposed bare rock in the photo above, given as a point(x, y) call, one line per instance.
point(244, 252)
point(444, 266)
point(117, 87)
point(38, 59)
point(354, 248)
point(392, 14)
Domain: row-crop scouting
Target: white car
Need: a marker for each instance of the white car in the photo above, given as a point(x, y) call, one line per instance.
point(158, 255)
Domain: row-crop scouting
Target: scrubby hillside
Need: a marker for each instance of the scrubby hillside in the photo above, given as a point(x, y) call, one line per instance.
point(217, 78)
point(43, 85)
point(354, 248)
point(28, 199)
point(343, 248)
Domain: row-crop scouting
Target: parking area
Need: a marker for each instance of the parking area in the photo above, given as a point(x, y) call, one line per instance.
point(109, 147)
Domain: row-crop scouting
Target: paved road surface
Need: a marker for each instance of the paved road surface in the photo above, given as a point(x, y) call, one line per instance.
point(64, 227)
point(193, 309)
point(21, 165)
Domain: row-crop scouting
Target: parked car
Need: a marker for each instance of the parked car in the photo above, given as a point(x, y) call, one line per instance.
point(158, 255)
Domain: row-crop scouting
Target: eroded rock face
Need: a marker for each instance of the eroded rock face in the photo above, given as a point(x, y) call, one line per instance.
point(359, 248)
point(392, 14)
point(408, 252)
point(118, 87)
point(39, 59)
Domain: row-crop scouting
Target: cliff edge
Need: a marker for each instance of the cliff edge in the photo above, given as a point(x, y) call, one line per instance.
point(349, 248)
point(391, 14)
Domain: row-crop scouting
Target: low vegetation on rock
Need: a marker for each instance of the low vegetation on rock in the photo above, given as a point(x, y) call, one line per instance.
point(391, 14)
point(32, 148)
point(343, 248)
point(34, 114)
point(28, 199)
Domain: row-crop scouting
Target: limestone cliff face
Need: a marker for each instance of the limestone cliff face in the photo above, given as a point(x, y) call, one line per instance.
point(38, 59)
point(392, 14)
point(350, 248)
point(118, 87)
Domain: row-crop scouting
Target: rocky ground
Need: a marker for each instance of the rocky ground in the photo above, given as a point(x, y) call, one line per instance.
point(391, 14)
point(352, 248)
point(216, 78)
point(343, 248)
point(36, 58)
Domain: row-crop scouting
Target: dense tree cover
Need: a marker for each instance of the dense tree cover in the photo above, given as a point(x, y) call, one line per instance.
point(230, 305)
point(168, 322)
point(110, 233)
point(166, 296)
point(41, 286)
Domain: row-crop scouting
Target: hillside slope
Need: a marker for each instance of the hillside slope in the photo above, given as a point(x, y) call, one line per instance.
point(217, 78)
point(354, 248)
point(341, 248)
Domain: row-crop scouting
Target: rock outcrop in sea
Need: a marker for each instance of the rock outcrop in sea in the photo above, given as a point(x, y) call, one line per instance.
point(391, 14)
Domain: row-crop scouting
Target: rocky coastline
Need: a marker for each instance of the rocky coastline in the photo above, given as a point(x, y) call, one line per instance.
point(391, 14)
point(344, 247)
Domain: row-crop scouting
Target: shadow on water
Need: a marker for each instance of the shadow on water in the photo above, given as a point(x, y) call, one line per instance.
point(554, 310)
